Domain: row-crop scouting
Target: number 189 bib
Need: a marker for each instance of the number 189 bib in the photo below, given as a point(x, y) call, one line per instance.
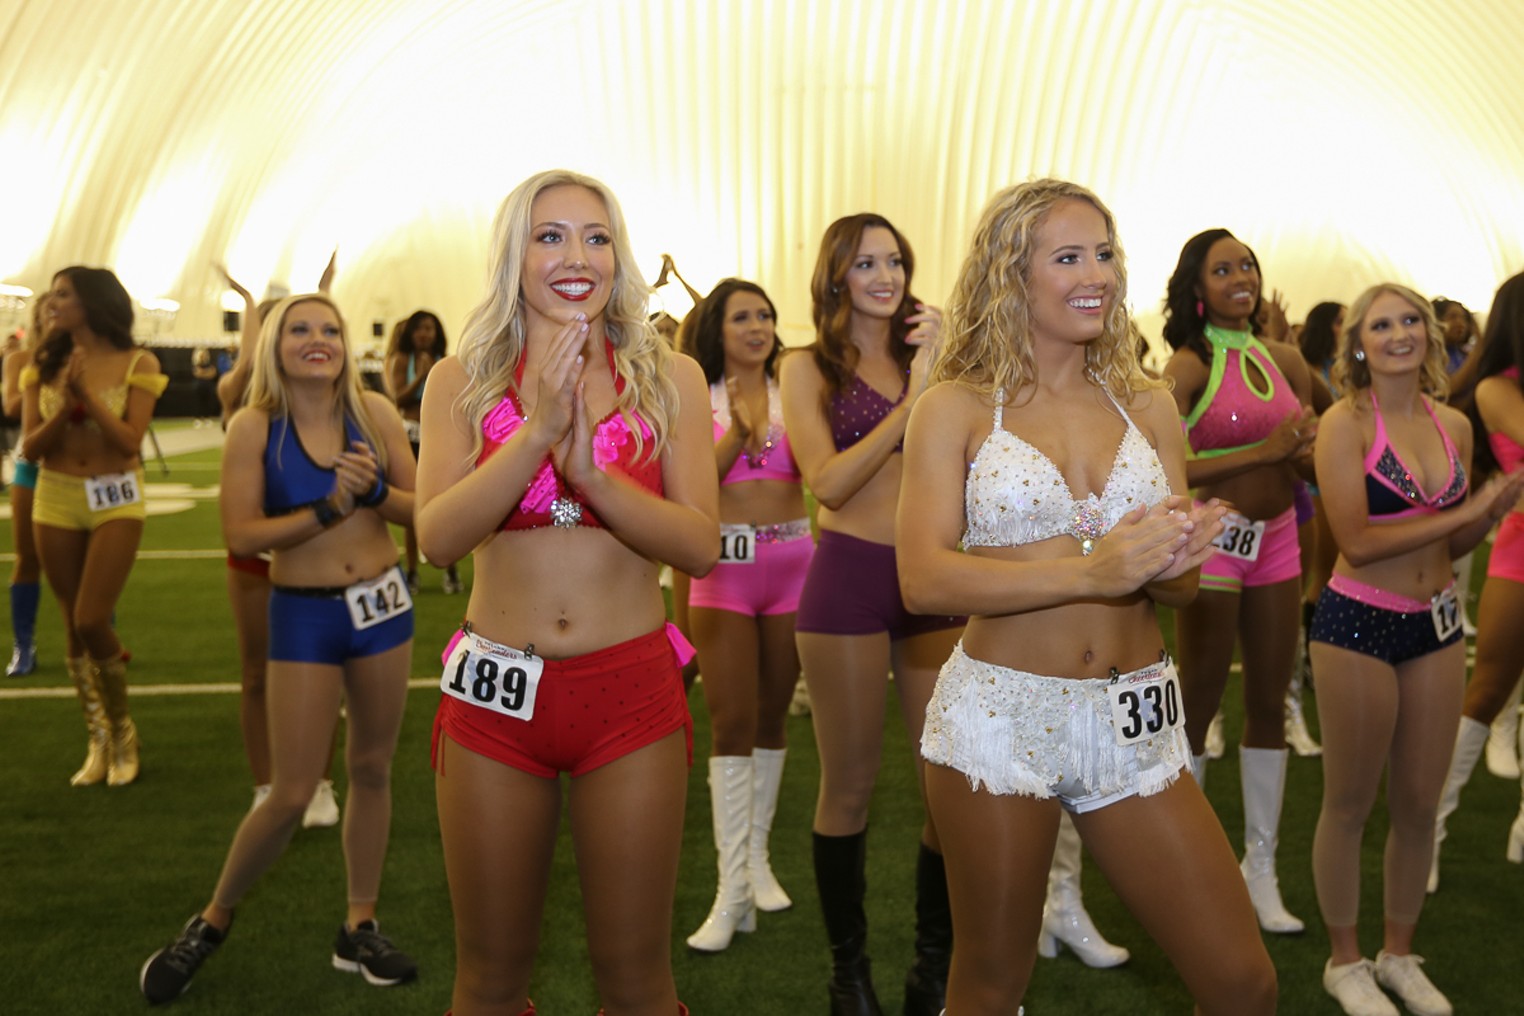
point(493, 677)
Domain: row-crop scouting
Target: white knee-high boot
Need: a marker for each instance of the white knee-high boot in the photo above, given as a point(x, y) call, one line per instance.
point(1263, 772)
point(730, 799)
point(1469, 741)
point(1063, 915)
point(1503, 741)
point(766, 779)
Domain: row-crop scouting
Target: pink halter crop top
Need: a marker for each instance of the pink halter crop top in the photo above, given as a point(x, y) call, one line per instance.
point(1505, 449)
point(1238, 409)
point(613, 447)
point(776, 460)
point(1391, 490)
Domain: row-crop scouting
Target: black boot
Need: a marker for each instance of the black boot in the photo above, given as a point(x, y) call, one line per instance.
point(926, 983)
point(841, 880)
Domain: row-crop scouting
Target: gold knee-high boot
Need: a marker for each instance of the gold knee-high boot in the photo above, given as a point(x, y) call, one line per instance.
point(122, 759)
point(98, 747)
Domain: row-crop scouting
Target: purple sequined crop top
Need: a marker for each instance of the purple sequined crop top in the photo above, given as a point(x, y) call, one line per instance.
point(857, 409)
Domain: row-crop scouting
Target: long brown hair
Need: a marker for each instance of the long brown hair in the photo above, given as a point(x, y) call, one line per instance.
point(835, 356)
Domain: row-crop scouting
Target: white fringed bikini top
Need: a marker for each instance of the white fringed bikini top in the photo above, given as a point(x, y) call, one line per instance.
point(1015, 495)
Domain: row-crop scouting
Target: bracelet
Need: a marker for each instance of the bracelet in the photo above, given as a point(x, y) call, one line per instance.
point(327, 514)
point(375, 495)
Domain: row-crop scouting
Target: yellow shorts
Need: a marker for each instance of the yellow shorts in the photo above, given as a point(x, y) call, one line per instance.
point(62, 501)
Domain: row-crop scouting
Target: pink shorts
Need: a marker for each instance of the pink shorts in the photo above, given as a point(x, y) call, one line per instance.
point(769, 585)
point(1507, 560)
point(1279, 559)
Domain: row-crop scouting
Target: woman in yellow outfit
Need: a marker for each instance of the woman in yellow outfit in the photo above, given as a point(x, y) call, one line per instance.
point(87, 400)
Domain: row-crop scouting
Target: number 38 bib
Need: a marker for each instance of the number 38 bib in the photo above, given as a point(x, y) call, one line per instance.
point(1240, 537)
point(1145, 707)
point(493, 677)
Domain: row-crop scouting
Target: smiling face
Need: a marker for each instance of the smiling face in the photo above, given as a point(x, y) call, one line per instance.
point(747, 330)
point(1229, 284)
point(1073, 279)
point(876, 277)
point(1394, 336)
point(311, 342)
point(569, 260)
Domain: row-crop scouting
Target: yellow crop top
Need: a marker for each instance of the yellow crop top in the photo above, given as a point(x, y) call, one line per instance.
point(50, 398)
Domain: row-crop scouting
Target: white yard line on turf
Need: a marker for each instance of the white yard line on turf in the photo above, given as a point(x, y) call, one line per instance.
point(223, 688)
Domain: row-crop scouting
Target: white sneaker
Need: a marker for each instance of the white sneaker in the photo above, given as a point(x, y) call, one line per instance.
point(451, 584)
point(260, 793)
point(323, 809)
point(1401, 976)
point(1354, 988)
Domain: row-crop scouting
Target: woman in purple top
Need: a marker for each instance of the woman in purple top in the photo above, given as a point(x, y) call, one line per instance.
point(845, 404)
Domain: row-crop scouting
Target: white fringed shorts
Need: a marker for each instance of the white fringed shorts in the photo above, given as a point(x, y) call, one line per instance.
point(1011, 732)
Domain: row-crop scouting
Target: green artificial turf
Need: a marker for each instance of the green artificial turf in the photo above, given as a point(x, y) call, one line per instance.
point(92, 880)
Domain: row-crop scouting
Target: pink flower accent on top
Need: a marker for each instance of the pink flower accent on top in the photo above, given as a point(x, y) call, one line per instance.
point(609, 438)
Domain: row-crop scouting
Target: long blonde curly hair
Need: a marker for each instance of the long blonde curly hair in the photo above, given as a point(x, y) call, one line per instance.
point(493, 342)
point(987, 335)
point(267, 383)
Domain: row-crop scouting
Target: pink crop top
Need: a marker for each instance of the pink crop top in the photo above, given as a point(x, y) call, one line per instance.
point(1504, 448)
point(613, 446)
point(776, 462)
point(1235, 412)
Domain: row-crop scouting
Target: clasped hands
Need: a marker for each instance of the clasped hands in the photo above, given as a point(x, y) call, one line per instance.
point(1155, 544)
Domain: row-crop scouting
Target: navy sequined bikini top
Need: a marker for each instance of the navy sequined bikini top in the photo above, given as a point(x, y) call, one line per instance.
point(1391, 490)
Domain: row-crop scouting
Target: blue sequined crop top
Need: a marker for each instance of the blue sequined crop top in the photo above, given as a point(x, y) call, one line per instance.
point(1015, 495)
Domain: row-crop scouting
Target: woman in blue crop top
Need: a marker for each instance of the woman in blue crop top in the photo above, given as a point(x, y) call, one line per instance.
point(1392, 465)
point(1250, 431)
point(845, 403)
point(570, 452)
point(313, 470)
point(742, 613)
point(87, 399)
point(1045, 496)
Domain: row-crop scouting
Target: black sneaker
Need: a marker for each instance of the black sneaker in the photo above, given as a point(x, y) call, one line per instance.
point(366, 951)
point(168, 972)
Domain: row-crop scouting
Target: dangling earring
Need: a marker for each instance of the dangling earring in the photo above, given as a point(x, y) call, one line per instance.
point(1360, 355)
point(1200, 309)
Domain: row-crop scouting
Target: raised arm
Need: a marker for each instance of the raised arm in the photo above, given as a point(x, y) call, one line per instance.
point(232, 385)
point(245, 528)
point(681, 528)
point(459, 504)
point(1293, 438)
point(832, 476)
point(39, 436)
point(123, 433)
point(936, 577)
point(396, 505)
point(1341, 474)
